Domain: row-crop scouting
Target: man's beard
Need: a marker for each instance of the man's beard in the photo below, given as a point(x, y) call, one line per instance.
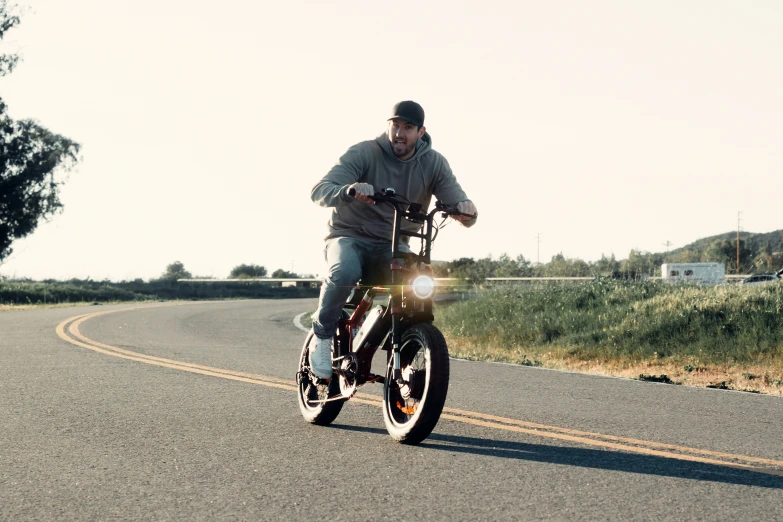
point(405, 151)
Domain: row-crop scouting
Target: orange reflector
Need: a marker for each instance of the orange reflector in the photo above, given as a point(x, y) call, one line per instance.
point(407, 411)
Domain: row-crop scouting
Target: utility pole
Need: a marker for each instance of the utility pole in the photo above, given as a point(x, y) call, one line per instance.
point(667, 245)
point(538, 248)
point(738, 240)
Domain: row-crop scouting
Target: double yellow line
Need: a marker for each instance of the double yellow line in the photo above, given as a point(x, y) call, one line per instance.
point(68, 330)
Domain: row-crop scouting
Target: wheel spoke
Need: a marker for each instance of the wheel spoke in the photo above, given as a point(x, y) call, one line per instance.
point(409, 395)
point(412, 409)
point(314, 394)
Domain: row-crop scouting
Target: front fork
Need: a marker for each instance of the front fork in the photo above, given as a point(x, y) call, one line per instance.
point(395, 304)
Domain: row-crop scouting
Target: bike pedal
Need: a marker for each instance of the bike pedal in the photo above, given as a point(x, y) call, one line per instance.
point(380, 379)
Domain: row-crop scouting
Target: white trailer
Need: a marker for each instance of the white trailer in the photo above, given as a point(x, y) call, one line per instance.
point(705, 273)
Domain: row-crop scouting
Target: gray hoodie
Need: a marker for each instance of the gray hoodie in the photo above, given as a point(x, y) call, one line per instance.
point(425, 174)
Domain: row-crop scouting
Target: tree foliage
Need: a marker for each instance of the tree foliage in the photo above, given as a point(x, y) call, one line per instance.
point(174, 271)
point(606, 265)
point(725, 251)
point(282, 274)
point(640, 264)
point(477, 270)
point(8, 20)
point(247, 272)
point(32, 162)
point(560, 266)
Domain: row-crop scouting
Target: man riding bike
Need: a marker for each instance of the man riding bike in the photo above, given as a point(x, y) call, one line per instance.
point(357, 246)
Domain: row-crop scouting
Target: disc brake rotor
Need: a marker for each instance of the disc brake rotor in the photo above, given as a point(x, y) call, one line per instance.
point(415, 381)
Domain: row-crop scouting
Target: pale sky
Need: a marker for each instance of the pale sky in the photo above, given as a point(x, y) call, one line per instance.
point(600, 125)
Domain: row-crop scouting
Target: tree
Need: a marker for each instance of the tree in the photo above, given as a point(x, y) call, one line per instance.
point(507, 267)
point(561, 266)
point(641, 264)
point(247, 272)
point(174, 271)
point(32, 161)
point(282, 274)
point(606, 266)
point(470, 269)
point(725, 251)
point(8, 20)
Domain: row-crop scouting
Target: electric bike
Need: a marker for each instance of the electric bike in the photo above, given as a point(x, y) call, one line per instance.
point(416, 379)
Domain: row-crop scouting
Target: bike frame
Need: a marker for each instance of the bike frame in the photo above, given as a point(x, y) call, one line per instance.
point(404, 307)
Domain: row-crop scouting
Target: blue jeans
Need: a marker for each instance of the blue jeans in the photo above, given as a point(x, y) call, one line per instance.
point(349, 259)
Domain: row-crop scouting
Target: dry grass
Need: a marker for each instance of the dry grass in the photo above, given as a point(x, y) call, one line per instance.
point(766, 378)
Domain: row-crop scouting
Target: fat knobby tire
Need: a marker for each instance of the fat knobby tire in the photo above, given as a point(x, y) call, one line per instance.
point(322, 414)
point(423, 421)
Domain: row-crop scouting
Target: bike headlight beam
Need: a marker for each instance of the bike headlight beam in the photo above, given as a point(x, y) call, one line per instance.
point(423, 286)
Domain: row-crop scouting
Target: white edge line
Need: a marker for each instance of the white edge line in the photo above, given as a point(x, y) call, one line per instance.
point(298, 322)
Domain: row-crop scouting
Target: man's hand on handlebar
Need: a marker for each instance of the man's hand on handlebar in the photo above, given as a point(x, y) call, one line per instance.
point(465, 207)
point(362, 192)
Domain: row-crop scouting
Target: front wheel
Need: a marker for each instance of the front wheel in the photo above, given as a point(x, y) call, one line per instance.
point(312, 392)
point(412, 409)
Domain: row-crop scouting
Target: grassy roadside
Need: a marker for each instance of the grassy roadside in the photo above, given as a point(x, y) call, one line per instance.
point(27, 293)
point(728, 337)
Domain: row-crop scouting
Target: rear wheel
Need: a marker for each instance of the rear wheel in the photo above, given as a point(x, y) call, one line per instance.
point(312, 392)
point(412, 409)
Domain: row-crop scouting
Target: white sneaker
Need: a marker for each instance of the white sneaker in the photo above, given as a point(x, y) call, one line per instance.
point(321, 357)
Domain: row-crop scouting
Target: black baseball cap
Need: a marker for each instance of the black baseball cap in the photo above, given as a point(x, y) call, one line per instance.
point(409, 111)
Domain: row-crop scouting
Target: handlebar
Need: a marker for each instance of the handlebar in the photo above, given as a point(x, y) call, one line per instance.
point(451, 210)
point(390, 196)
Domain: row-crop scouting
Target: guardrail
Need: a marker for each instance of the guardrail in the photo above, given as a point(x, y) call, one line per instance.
point(443, 281)
point(248, 280)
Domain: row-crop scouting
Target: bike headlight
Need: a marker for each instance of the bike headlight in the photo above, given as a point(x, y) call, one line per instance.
point(423, 286)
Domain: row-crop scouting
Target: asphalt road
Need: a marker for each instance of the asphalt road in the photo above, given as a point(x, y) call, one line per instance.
point(186, 411)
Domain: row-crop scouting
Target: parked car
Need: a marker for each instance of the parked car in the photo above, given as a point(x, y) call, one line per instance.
point(761, 279)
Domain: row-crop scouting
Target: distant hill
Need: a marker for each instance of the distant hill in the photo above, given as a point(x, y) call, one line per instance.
point(759, 253)
point(768, 242)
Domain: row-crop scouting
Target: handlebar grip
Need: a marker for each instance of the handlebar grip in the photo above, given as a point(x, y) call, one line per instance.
point(451, 210)
point(352, 193)
point(471, 216)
